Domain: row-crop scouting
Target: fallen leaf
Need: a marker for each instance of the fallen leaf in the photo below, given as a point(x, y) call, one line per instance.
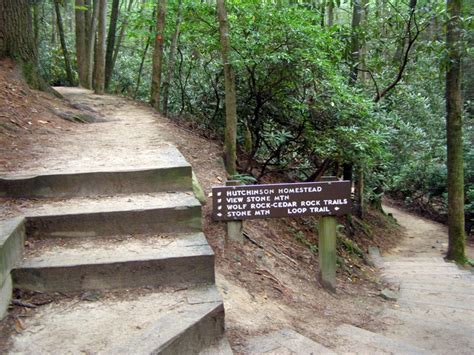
point(19, 326)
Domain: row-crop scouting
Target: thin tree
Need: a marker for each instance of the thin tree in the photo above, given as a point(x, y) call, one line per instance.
point(454, 123)
point(62, 38)
point(120, 37)
point(230, 144)
point(158, 55)
point(91, 38)
point(99, 73)
point(111, 42)
point(172, 58)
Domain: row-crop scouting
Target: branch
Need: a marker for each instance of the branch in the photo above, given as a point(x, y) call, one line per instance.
point(411, 42)
point(377, 91)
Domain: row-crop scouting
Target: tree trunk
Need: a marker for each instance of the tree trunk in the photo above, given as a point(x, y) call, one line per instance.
point(142, 62)
point(36, 23)
point(171, 59)
point(111, 42)
point(355, 41)
point(140, 69)
point(357, 15)
point(120, 37)
point(53, 28)
point(330, 15)
point(91, 42)
point(359, 190)
point(81, 56)
point(100, 56)
point(17, 41)
point(454, 124)
point(230, 144)
point(67, 62)
point(158, 55)
point(363, 74)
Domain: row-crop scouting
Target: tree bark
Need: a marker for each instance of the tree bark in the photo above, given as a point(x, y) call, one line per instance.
point(158, 55)
point(36, 23)
point(111, 42)
point(81, 56)
point(171, 59)
point(100, 56)
point(330, 11)
point(230, 144)
point(67, 62)
point(454, 123)
point(355, 41)
point(357, 15)
point(91, 42)
point(17, 41)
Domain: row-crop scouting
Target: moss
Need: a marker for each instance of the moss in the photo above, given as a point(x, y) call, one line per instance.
point(198, 191)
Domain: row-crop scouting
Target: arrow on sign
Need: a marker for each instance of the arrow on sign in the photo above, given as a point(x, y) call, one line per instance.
point(219, 215)
point(336, 208)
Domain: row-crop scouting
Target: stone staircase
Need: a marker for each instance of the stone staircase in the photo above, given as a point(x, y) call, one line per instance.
point(125, 248)
point(432, 315)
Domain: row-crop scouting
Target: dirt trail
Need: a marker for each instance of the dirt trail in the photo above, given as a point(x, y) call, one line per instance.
point(423, 237)
point(435, 304)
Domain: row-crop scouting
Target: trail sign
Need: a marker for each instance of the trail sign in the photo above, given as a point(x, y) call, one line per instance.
point(330, 198)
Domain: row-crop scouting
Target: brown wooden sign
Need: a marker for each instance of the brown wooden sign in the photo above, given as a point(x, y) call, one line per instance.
point(281, 200)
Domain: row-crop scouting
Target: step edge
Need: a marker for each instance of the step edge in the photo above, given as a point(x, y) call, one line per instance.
point(22, 177)
point(205, 247)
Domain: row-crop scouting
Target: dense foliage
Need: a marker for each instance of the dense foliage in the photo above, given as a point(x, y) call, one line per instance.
point(298, 112)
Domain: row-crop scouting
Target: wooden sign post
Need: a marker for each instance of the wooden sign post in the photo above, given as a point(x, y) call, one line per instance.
point(327, 229)
point(235, 229)
point(234, 203)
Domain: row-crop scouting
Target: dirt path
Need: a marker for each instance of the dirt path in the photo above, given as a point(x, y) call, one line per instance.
point(423, 237)
point(435, 304)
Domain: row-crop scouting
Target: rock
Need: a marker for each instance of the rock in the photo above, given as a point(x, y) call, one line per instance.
point(198, 191)
point(388, 295)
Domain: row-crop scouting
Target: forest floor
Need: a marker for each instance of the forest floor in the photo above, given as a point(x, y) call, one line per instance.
point(268, 283)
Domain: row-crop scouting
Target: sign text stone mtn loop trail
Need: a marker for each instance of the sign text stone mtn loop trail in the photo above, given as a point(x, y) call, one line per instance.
point(281, 200)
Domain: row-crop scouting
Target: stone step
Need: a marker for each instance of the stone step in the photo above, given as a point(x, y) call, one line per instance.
point(430, 294)
point(282, 342)
point(358, 340)
point(420, 265)
point(180, 321)
point(221, 347)
point(434, 337)
point(451, 288)
point(115, 263)
point(434, 271)
point(12, 239)
point(133, 214)
point(414, 259)
point(460, 304)
point(436, 313)
point(462, 278)
point(163, 170)
point(442, 335)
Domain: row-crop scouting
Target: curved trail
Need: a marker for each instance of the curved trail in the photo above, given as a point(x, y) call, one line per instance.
point(435, 307)
point(423, 237)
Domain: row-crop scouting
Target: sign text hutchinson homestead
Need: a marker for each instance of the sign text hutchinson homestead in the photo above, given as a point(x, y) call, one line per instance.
point(281, 200)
